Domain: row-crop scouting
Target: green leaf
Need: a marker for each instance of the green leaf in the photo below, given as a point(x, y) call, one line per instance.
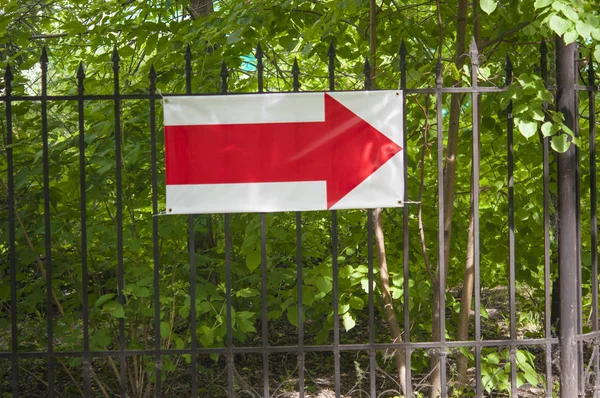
point(488, 6)
point(101, 338)
point(235, 36)
point(348, 321)
point(527, 128)
point(165, 330)
point(118, 311)
point(560, 143)
point(292, 315)
point(483, 311)
point(253, 260)
point(205, 335)
point(247, 292)
point(559, 25)
point(542, 3)
point(141, 291)
point(145, 281)
point(324, 285)
point(356, 303)
point(103, 299)
point(570, 36)
point(530, 373)
point(549, 129)
point(584, 29)
point(597, 53)
point(570, 13)
point(74, 27)
point(493, 358)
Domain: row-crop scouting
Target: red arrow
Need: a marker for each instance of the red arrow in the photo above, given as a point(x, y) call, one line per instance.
point(343, 151)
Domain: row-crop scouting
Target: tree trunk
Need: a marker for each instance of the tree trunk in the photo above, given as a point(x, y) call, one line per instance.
point(386, 296)
point(449, 188)
point(466, 298)
point(469, 275)
point(200, 8)
point(384, 276)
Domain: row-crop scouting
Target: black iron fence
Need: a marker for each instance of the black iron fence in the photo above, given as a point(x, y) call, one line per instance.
point(578, 368)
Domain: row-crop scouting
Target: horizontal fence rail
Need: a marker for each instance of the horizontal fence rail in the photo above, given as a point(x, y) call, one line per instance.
point(588, 358)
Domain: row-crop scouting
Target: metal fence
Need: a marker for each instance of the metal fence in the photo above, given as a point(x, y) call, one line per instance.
point(571, 340)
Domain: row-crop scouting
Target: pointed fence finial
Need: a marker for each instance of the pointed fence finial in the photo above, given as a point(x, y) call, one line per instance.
point(80, 77)
point(295, 75)
point(259, 67)
point(438, 71)
point(331, 51)
point(367, 72)
point(544, 60)
point(188, 69)
point(8, 75)
point(224, 75)
point(115, 59)
point(80, 71)
point(44, 56)
point(509, 69)
point(543, 47)
point(474, 52)
point(188, 54)
point(591, 73)
point(331, 66)
point(115, 55)
point(402, 49)
point(402, 65)
point(224, 72)
point(152, 74)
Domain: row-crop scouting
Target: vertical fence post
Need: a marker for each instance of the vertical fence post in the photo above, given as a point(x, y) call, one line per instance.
point(372, 352)
point(47, 226)
point(511, 234)
point(155, 237)
point(299, 270)
point(546, 189)
point(119, 218)
point(593, 217)
point(263, 255)
point(474, 55)
point(192, 253)
point(83, 215)
point(405, 238)
point(567, 212)
point(334, 252)
point(12, 259)
point(228, 250)
point(441, 271)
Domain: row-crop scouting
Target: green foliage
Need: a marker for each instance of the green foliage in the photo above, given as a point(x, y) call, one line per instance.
point(157, 33)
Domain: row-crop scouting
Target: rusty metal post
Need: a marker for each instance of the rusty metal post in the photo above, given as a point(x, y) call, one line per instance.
point(566, 77)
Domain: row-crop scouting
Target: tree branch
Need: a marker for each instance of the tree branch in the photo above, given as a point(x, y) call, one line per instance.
point(504, 35)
